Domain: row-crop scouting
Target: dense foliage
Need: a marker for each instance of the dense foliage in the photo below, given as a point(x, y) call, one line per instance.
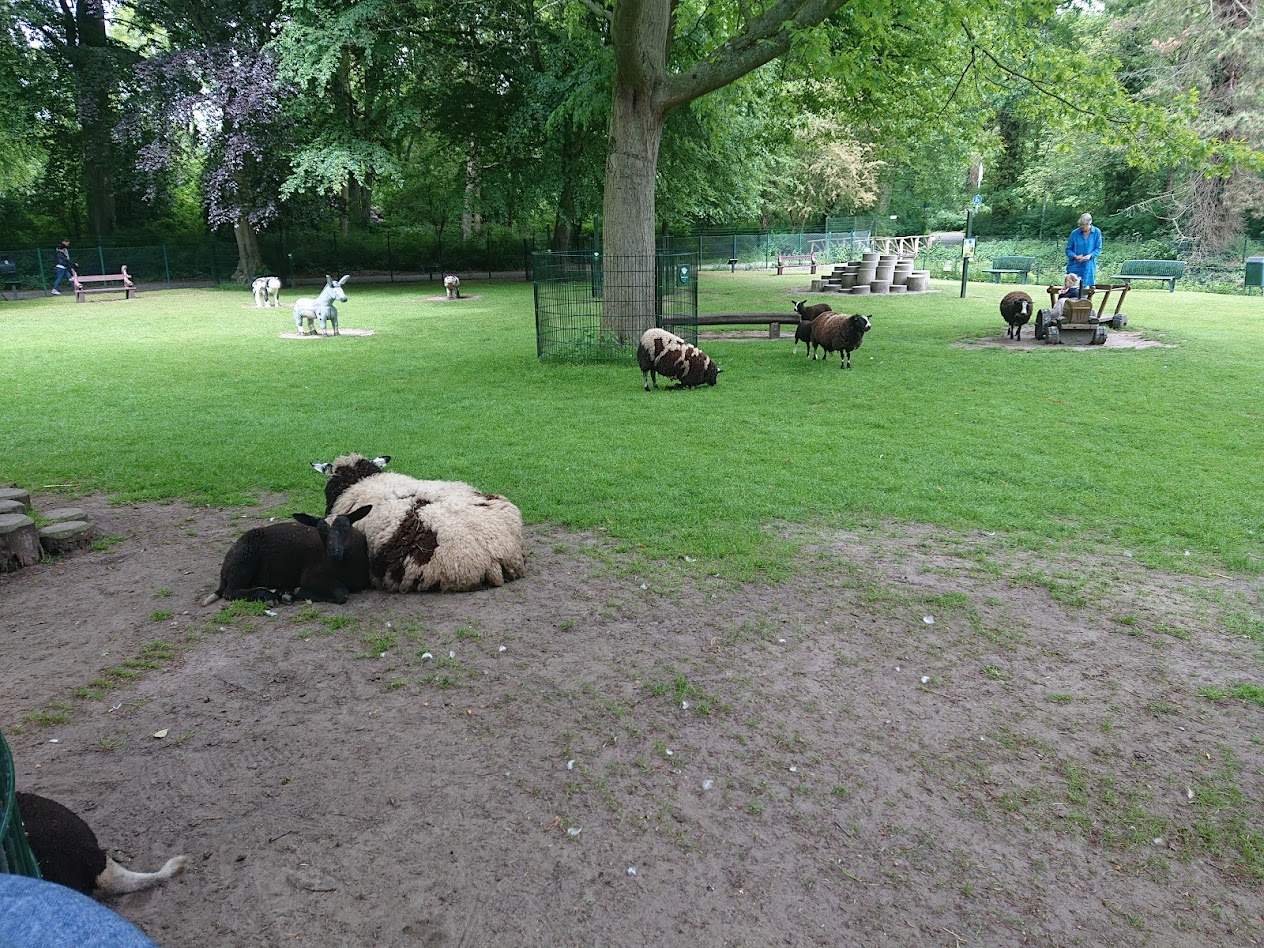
point(151, 120)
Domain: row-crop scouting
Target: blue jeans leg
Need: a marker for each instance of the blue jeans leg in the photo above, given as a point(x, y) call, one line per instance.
point(62, 273)
point(35, 913)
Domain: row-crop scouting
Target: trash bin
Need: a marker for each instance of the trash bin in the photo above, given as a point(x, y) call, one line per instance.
point(1254, 274)
point(15, 855)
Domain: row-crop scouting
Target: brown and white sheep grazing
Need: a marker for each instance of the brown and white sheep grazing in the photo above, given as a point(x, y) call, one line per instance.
point(662, 353)
point(1016, 308)
point(803, 332)
point(839, 332)
point(427, 535)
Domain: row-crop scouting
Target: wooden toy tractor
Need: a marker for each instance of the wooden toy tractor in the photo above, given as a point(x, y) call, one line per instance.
point(1078, 324)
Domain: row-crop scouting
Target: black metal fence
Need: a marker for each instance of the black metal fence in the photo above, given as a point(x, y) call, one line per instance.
point(593, 308)
point(390, 257)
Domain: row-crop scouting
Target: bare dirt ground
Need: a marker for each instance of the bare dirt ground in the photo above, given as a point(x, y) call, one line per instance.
point(919, 739)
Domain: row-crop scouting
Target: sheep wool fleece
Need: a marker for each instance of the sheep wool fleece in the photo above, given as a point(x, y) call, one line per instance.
point(663, 353)
point(428, 535)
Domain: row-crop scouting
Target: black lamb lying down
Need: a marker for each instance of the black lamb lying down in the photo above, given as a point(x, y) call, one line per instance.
point(321, 560)
point(68, 853)
point(1016, 308)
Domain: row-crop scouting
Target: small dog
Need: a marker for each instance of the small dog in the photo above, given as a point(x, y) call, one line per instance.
point(267, 291)
point(68, 852)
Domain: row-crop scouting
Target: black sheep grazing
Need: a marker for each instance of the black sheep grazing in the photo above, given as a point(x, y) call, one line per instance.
point(68, 853)
point(803, 332)
point(1016, 308)
point(839, 332)
point(316, 559)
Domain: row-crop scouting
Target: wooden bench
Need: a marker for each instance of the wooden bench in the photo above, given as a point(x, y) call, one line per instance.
point(792, 259)
point(126, 287)
point(1167, 271)
point(9, 277)
point(772, 320)
point(1020, 266)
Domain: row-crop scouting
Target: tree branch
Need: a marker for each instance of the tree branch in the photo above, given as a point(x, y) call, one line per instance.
point(599, 10)
point(764, 38)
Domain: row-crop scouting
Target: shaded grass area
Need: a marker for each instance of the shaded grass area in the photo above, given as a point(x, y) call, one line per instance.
point(192, 394)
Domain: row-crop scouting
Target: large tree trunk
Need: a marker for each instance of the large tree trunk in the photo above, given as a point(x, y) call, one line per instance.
point(471, 216)
point(636, 130)
point(249, 259)
point(644, 94)
point(93, 67)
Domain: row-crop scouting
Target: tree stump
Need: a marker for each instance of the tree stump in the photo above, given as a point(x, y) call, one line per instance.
point(19, 541)
point(16, 493)
point(12, 506)
point(64, 513)
point(66, 536)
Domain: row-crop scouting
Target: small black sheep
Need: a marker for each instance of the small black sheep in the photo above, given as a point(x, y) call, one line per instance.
point(316, 559)
point(1016, 308)
point(803, 332)
point(68, 853)
point(839, 332)
point(662, 353)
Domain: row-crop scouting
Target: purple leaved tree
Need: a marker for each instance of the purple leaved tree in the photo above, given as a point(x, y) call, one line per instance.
point(217, 110)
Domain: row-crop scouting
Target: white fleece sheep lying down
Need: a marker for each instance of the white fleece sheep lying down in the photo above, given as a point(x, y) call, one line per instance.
point(427, 535)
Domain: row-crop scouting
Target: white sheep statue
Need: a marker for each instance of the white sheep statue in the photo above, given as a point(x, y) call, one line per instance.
point(321, 307)
point(267, 292)
point(841, 333)
point(663, 353)
point(452, 284)
point(427, 535)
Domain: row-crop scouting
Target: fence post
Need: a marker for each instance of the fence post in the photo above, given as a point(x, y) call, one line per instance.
point(214, 266)
point(166, 265)
point(101, 257)
point(390, 261)
point(39, 258)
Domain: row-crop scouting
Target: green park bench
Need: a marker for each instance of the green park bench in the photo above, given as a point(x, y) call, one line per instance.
point(1020, 266)
point(1168, 271)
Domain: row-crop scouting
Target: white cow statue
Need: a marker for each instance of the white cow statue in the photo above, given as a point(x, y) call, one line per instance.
point(267, 291)
point(452, 284)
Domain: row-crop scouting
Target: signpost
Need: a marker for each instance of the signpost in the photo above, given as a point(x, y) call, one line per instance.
point(967, 245)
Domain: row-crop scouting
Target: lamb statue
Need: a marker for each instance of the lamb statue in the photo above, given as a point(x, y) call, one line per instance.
point(452, 284)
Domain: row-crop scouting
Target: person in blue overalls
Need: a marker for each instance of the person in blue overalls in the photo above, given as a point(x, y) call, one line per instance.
point(1082, 249)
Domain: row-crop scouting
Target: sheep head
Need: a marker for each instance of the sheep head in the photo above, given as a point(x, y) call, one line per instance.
point(335, 532)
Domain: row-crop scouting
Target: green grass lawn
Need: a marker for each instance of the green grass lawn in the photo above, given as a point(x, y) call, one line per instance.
point(192, 394)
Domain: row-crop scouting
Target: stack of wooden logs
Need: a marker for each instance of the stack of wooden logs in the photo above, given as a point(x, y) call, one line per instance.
point(23, 542)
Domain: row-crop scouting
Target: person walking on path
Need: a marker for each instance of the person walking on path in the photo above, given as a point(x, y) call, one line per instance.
point(1082, 250)
point(64, 266)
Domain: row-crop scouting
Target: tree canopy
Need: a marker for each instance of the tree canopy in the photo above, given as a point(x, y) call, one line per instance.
point(241, 115)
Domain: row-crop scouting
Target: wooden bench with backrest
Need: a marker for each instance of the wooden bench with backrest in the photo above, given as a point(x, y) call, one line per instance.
point(124, 281)
point(1167, 271)
point(772, 320)
point(795, 259)
point(1019, 266)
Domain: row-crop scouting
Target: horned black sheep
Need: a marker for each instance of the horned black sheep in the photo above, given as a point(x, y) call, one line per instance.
point(803, 332)
point(67, 851)
point(662, 353)
point(427, 535)
point(1016, 308)
point(839, 332)
point(321, 560)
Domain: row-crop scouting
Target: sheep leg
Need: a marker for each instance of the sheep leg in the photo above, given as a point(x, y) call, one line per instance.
point(254, 593)
point(336, 593)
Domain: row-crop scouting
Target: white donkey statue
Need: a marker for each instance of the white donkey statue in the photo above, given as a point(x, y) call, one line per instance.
point(322, 307)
